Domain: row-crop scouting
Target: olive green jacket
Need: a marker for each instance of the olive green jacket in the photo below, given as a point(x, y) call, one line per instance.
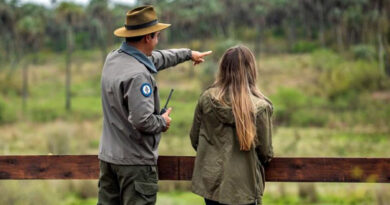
point(222, 171)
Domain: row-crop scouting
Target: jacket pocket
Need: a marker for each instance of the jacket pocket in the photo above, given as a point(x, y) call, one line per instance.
point(146, 188)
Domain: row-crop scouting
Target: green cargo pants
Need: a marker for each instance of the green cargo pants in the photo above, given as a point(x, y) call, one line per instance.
point(127, 184)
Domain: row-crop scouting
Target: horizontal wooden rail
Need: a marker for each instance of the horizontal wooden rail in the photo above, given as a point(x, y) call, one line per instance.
point(180, 168)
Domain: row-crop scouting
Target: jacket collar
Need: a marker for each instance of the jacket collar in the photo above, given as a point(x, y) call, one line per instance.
point(142, 58)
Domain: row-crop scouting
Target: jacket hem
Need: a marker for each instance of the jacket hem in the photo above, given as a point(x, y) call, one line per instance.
point(209, 196)
point(126, 161)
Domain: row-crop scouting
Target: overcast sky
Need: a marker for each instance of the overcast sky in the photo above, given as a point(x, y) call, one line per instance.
point(83, 2)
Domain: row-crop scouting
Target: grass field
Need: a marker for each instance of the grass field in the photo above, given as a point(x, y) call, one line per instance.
point(312, 119)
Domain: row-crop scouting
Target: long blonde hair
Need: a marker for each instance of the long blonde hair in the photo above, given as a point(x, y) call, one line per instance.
point(236, 81)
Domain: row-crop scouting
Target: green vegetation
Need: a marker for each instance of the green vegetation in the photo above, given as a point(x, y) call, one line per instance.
point(324, 64)
point(308, 120)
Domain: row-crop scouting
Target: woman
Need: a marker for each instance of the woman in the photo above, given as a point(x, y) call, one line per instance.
point(231, 133)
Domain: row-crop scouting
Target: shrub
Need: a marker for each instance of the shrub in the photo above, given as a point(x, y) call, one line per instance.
point(293, 107)
point(44, 114)
point(46, 110)
point(304, 47)
point(351, 77)
point(58, 142)
point(364, 52)
point(308, 117)
point(286, 101)
point(9, 82)
point(325, 59)
point(349, 100)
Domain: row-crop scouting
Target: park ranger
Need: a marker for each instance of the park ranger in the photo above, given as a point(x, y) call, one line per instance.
point(132, 121)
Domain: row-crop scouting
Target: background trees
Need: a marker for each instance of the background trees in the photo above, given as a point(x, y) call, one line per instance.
point(69, 16)
point(357, 28)
point(331, 23)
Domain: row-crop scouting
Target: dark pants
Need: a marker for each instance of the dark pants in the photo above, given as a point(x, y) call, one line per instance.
point(210, 202)
point(127, 185)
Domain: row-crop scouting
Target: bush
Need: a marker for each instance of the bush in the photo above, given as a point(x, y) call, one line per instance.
point(290, 98)
point(325, 59)
point(304, 47)
point(309, 117)
point(351, 77)
point(364, 52)
point(58, 142)
point(339, 76)
point(9, 82)
point(44, 114)
point(347, 101)
point(293, 107)
point(286, 101)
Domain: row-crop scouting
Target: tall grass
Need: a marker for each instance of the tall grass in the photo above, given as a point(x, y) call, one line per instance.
point(323, 107)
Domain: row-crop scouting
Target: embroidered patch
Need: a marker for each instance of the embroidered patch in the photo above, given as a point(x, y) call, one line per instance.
point(146, 89)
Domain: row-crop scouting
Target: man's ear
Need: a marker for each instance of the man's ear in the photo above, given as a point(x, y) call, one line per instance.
point(148, 38)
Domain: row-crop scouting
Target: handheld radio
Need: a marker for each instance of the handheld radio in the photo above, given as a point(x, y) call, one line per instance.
point(166, 104)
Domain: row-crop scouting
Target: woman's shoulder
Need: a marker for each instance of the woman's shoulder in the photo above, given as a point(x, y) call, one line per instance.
point(207, 94)
point(262, 104)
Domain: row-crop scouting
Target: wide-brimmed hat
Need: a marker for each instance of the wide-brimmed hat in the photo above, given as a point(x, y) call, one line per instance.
point(140, 21)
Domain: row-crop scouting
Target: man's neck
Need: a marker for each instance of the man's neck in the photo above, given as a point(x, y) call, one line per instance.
point(138, 46)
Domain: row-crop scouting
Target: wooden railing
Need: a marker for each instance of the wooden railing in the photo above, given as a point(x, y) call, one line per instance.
point(180, 168)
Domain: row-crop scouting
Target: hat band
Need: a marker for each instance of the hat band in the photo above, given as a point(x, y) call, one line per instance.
point(144, 25)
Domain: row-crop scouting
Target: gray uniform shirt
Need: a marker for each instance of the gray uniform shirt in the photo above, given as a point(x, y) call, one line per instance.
point(132, 125)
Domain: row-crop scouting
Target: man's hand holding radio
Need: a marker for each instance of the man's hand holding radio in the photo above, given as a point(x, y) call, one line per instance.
point(167, 118)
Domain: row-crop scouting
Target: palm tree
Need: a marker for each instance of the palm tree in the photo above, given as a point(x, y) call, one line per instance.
point(8, 14)
point(30, 29)
point(100, 19)
point(69, 15)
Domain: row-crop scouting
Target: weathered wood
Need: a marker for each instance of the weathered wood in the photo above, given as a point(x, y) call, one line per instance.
point(49, 167)
point(180, 168)
point(329, 170)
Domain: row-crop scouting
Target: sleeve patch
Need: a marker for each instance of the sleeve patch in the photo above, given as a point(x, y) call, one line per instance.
point(146, 89)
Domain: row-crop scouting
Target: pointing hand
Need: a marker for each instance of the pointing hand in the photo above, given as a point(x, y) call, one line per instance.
point(197, 57)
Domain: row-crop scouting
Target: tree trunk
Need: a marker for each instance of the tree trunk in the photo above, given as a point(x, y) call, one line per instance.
point(380, 53)
point(321, 23)
point(339, 33)
point(103, 50)
point(68, 61)
point(15, 52)
point(25, 87)
point(291, 35)
point(101, 38)
point(383, 54)
point(259, 37)
point(103, 47)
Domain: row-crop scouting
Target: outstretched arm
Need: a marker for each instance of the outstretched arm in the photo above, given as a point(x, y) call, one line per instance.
point(167, 58)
